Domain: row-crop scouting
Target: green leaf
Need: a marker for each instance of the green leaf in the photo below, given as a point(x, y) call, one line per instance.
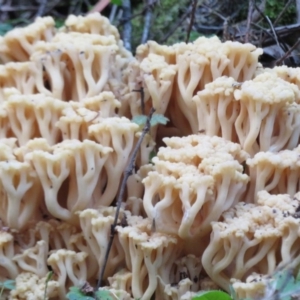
point(155, 120)
point(285, 284)
point(158, 119)
point(116, 2)
point(298, 276)
point(4, 28)
point(140, 120)
point(103, 295)
point(8, 284)
point(212, 295)
point(76, 294)
point(59, 23)
point(151, 155)
point(48, 278)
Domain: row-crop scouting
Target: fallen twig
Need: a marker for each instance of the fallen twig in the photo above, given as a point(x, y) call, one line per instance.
point(214, 12)
point(128, 171)
point(8, 8)
point(147, 22)
point(123, 20)
point(282, 12)
point(192, 18)
point(41, 9)
point(249, 18)
point(113, 13)
point(177, 24)
point(126, 34)
point(142, 92)
point(286, 55)
point(274, 32)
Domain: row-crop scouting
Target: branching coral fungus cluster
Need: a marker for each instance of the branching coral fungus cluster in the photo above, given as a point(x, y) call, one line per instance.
point(218, 204)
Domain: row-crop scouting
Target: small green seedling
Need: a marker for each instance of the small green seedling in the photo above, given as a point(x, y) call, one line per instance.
point(283, 285)
point(48, 278)
point(155, 120)
point(7, 285)
point(116, 2)
point(76, 293)
point(212, 295)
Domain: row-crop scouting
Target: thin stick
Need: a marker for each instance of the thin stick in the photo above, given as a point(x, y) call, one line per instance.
point(142, 92)
point(128, 171)
point(8, 8)
point(282, 12)
point(126, 34)
point(214, 12)
point(179, 22)
point(274, 32)
point(225, 34)
point(191, 21)
point(280, 60)
point(249, 18)
point(147, 22)
point(123, 20)
point(41, 9)
point(113, 13)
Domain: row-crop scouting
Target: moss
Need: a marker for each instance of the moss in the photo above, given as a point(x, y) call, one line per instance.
point(274, 8)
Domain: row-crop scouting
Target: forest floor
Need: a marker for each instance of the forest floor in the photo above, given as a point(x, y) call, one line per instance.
point(270, 24)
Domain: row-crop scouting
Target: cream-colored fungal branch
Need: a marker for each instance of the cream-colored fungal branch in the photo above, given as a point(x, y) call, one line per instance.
point(180, 291)
point(78, 243)
point(105, 104)
point(188, 266)
point(89, 159)
point(147, 256)
point(32, 116)
point(197, 64)
point(243, 60)
point(191, 69)
point(52, 169)
point(61, 234)
point(8, 268)
point(96, 228)
point(93, 23)
point(75, 121)
point(118, 134)
point(75, 65)
point(20, 75)
point(73, 167)
point(47, 112)
point(4, 52)
point(34, 259)
point(276, 173)
point(193, 184)
point(168, 52)
point(7, 147)
point(291, 75)
point(216, 109)
point(253, 238)
point(70, 269)
point(76, 117)
point(254, 286)
point(158, 78)
point(30, 286)
point(31, 145)
point(121, 280)
point(21, 117)
point(23, 40)
point(21, 194)
point(260, 102)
